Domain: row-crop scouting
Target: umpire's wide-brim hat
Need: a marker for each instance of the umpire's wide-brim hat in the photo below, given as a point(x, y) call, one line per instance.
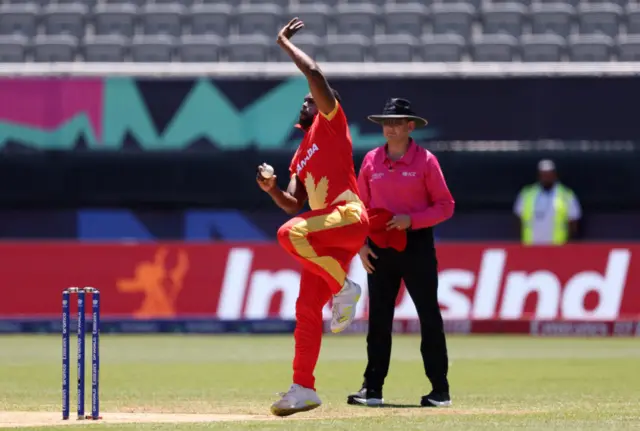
point(398, 108)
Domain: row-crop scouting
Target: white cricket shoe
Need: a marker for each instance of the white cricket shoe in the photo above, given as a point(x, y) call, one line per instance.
point(298, 399)
point(344, 306)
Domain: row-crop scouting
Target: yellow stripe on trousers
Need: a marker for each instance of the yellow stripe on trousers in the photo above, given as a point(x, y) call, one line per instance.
point(342, 215)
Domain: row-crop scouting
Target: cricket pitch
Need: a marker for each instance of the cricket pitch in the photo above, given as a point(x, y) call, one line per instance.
point(32, 419)
point(9, 419)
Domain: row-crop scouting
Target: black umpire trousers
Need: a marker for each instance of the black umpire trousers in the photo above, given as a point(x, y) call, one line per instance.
point(418, 267)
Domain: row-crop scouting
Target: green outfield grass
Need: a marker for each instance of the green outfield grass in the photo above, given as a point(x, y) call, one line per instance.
point(500, 383)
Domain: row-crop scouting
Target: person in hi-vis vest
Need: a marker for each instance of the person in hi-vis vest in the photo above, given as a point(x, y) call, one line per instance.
point(548, 210)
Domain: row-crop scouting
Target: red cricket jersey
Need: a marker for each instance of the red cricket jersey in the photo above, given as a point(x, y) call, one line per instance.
point(324, 161)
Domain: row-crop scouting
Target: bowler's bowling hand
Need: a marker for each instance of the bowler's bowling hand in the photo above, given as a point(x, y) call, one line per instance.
point(266, 184)
point(364, 254)
point(400, 222)
point(290, 29)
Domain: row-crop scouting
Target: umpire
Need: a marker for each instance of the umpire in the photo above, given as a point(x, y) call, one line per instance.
point(405, 193)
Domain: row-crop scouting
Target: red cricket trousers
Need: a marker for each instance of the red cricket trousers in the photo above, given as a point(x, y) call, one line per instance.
point(324, 242)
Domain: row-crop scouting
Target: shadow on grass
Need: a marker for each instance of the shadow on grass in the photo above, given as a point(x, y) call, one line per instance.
point(393, 406)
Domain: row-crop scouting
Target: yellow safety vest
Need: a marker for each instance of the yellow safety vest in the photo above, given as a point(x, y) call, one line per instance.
point(561, 202)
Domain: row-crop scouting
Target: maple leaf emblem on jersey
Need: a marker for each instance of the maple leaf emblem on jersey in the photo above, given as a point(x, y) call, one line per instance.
point(317, 193)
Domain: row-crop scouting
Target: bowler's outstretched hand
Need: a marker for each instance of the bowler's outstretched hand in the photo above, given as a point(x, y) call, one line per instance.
point(290, 29)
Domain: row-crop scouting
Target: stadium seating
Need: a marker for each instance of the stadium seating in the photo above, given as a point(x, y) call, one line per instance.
point(337, 30)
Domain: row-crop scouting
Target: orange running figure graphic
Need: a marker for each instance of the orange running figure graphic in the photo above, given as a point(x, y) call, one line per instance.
point(160, 285)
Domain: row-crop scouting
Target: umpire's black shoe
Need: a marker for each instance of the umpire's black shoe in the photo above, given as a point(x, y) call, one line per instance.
point(436, 399)
point(366, 397)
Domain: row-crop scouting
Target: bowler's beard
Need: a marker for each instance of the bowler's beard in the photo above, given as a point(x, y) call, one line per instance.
point(305, 121)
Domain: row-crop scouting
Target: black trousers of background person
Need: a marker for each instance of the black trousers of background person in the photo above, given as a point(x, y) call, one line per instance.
point(418, 267)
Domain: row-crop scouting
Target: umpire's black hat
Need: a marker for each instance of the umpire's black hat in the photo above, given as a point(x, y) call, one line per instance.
point(398, 108)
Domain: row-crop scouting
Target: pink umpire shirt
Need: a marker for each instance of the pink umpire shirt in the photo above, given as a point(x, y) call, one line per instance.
point(412, 185)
